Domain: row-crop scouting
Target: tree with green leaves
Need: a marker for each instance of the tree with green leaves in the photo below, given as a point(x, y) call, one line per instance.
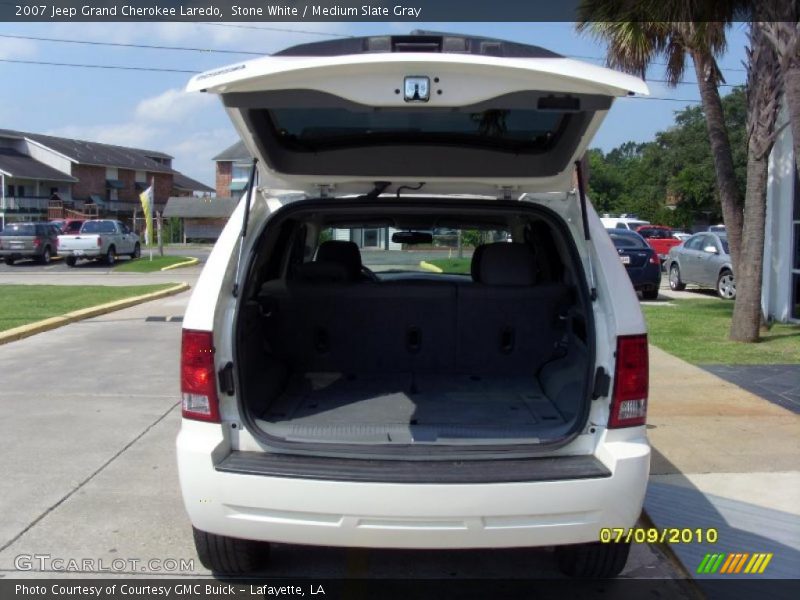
point(686, 28)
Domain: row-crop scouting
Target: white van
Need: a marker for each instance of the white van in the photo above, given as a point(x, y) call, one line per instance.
point(335, 392)
point(622, 222)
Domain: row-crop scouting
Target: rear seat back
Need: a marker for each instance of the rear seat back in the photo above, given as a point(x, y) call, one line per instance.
point(502, 323)
point(506, 323)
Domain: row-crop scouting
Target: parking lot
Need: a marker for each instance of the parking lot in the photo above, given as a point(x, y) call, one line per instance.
point(90, 467)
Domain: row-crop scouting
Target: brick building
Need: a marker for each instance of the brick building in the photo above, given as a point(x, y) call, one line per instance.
point(233, 170)
point(40, 172)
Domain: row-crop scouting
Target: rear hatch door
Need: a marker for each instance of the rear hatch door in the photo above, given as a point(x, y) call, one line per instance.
point(456, 114)
point(18, 237)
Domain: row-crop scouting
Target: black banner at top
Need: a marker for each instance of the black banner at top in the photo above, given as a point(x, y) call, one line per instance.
point(287, 10)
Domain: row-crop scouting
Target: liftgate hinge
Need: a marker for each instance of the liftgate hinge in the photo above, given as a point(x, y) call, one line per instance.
point(226, 379)
point(602, 382)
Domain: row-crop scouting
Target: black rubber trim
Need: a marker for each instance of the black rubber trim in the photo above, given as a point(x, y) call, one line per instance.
point(409, 471)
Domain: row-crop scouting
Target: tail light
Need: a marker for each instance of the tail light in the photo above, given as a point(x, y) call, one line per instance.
point(631, 381)
point(99, 241)
point(654, 259)
point(36, 242)
point(198, 383)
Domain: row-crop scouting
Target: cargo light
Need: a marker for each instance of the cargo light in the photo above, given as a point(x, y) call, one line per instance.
point(199, 399)
point(631, 382)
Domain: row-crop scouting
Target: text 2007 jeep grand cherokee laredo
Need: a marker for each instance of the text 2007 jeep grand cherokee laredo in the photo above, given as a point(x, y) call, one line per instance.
point(335, 393)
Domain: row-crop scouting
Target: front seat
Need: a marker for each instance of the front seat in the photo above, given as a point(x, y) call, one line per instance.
point(342, 253)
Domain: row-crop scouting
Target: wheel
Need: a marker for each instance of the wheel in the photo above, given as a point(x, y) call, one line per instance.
point(592, 560)
point(650, 294)
point(222, 554)
point(8, 260)
point(675, 283)
point(137, 251)
point(726, 285)
point(45, 257)
point(71, 261)
point(111, 256)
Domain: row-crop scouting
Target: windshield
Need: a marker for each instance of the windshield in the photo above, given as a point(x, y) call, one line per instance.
point(18, 229)
point(622, 240)
point(98, 227)
point(450, 252)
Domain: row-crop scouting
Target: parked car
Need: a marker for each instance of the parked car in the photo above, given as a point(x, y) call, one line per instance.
point(623, 222)
point(325, 403)
point(100, 239)
point(640, 259)
point(28, 240)
point(659, 238)
point(682, 236)
point(717, 228)
point(67, 226)
point(703, 259)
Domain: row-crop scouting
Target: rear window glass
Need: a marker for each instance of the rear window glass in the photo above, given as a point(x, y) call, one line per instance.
point(98, 227)
point(324, 128)
point(18, 229)
point(627, 241)
point(73, 227)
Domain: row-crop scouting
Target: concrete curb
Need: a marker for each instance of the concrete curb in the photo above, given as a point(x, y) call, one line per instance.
point(23, 331)
point(186, 263)
point(429, 267)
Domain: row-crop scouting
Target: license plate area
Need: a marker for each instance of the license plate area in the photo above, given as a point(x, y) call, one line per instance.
point(626, 260)
point(78, 252)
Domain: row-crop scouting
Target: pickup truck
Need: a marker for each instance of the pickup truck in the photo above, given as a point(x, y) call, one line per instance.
point(659, 238)
point(99, 239)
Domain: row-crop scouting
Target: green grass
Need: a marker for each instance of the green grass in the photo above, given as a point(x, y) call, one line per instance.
point(145, 265)
point(697, 331)
point(23, 304)
point(452, 265)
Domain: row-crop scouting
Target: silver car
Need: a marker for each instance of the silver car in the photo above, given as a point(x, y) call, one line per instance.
point(703, 259)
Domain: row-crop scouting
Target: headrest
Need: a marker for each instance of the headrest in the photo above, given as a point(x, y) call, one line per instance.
point(504, 263)
point(343, 253)
point(321, 272)
point(474, 267)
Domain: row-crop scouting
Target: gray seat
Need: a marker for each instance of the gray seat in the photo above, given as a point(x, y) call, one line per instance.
point(507, 323)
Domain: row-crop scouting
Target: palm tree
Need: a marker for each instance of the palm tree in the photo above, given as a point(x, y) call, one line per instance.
point(633, 44)
point(764, 88)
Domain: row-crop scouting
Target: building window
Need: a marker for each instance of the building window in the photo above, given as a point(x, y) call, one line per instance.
point(240, 172)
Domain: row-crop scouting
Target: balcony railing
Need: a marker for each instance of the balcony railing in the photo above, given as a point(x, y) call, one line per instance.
point(24, 204)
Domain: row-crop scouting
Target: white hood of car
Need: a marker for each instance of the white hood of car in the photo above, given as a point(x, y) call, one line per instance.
point(483, 125)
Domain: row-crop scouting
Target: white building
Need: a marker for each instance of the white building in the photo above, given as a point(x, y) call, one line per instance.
point(780, 292)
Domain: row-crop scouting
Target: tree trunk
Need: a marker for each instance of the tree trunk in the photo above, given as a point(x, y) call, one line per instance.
point(791, 90)
point(723, 158)
point(747, 309)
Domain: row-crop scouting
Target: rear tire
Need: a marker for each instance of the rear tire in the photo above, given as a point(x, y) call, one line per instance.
point(111, 256)
point(650, 294)
point(8, 260)
point(675, 283)
point(222, 554)
point(726, 285)
point(137, 251)
point(71, 261)
point(592, 560)
point(46, 256)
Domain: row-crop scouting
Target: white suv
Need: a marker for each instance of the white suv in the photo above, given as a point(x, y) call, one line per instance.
point(339, 389)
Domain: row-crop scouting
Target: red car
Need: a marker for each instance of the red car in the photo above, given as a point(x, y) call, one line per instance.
point(660, 239)
point(67, 226)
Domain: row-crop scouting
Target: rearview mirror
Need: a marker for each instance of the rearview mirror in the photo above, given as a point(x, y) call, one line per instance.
point(412, 237)
point(710, 249)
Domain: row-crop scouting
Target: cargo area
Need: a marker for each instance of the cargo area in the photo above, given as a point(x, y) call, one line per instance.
point(335, 350)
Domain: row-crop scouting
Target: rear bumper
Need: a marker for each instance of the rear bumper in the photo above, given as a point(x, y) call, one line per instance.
point(409, 515)
point(19, 253)
point(81, 253)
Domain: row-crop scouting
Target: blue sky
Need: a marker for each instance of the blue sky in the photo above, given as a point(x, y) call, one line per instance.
point(150, 109)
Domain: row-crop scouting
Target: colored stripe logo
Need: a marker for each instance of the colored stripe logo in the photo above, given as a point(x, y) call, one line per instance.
point(734, 562)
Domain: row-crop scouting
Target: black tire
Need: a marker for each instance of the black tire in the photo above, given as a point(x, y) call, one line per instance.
point(726, 285)
point(71, 261)
point(675, 283)
point(111, 256)
point(228, 555)
point(46, 256)
point(8, 260)
point(137, 251)
point(592, 560)
point(650, 294)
